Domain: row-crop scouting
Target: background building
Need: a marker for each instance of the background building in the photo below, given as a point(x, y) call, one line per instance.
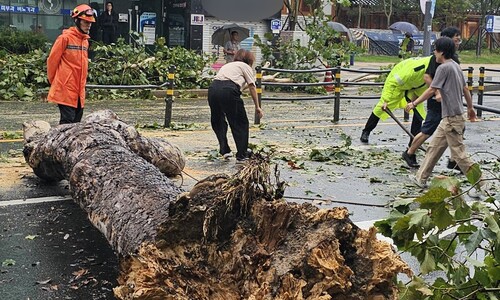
point(182, 22)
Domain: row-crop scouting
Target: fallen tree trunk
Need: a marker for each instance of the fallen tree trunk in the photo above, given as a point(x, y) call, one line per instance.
point(110, 172)
point(228, 238)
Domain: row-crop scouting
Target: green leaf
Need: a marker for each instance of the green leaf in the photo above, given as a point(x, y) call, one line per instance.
point(474, 174)
point(481, 276)
point(473, 242)
point(449, 246)
point(401, 202)
point(432, 197)
point(441, 216)
point(493, 268)
point(493, 295)
point(462, 209)
point(459, 275)
point(492, 225)
point(383, 227)
point(8, 262)
point(417, 216)
point(428, 264)
point(464, 231)
point(375, 180)
point(420, 222)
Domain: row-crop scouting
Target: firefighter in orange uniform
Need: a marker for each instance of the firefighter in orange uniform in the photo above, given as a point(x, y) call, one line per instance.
point(67, 66)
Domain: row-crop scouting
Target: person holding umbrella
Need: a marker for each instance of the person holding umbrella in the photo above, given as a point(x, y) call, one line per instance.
point(224, 99)
point(229, 37)
point(407, 46)
point(232, 46)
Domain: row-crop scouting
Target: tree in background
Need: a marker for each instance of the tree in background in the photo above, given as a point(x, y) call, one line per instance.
point(303, 8)
point(325, 47)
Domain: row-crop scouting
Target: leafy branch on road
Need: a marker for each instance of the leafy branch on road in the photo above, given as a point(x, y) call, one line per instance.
point(456, 241)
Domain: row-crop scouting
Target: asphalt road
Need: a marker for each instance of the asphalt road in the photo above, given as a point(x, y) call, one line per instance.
point(49, 250)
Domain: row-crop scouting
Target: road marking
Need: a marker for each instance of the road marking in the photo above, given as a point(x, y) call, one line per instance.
point(35, 200)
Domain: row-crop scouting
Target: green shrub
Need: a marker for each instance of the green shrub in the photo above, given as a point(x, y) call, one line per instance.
point(24, 76)
point(20, 42)
point(124, 64)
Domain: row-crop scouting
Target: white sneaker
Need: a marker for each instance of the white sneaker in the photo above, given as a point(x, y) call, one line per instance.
point(481, 192)
point(420, 184)
point(474, 193)
point(227, 155)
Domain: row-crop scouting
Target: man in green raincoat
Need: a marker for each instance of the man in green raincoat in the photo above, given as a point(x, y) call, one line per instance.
point(404, 83)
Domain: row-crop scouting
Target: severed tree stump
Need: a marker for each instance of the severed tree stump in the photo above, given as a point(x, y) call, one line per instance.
point(230, 237)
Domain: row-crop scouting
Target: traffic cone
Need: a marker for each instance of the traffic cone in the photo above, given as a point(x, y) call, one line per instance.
point(328, 78)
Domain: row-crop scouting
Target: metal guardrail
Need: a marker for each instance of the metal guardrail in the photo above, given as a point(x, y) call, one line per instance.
point(481, 92)
point(338, 83)
point(335, 82)
point(169, 99)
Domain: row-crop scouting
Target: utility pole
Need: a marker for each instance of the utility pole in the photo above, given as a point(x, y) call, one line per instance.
point(427, 28)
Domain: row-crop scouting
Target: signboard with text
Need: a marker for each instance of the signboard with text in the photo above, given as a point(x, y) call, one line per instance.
point(197, 19)
point(275, 25)
point(148, 27)
point(19, 9)
point(492, 24)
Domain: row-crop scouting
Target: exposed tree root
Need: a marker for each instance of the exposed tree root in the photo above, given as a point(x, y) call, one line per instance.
point(240, 243)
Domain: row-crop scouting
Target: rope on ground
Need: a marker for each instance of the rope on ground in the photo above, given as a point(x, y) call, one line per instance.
point(334, 201)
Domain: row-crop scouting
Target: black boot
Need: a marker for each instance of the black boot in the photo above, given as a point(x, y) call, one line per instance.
point(364, 137)
point(410, 159)
point(453, 165)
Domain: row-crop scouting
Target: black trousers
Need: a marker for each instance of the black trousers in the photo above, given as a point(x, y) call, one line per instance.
point(416, 124)
point(108, 37)
point(224, 98)
point(70, 114)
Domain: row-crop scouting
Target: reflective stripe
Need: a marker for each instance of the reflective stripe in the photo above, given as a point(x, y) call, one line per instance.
point(398, 79)
point(76, 47)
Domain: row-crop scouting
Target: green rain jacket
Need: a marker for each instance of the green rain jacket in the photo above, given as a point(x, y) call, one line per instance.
point(407, 77)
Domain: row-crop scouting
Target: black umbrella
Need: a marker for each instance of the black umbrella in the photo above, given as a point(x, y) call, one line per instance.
point(404, 27)
point(222, 35)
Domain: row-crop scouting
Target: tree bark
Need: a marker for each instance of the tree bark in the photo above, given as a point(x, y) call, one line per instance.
point(115, 174)
point(230, 237)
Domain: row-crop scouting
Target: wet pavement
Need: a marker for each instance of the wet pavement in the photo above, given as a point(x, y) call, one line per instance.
point(50, 251)
point(52, 242)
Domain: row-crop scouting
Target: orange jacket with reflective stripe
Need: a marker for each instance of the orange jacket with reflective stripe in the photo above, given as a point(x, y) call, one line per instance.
point(67, 68)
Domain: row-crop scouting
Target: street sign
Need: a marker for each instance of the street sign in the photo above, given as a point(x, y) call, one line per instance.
point(275, 25)
point(148, 27)
point(197, 19)
point(492, 23)
point(433, 6)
